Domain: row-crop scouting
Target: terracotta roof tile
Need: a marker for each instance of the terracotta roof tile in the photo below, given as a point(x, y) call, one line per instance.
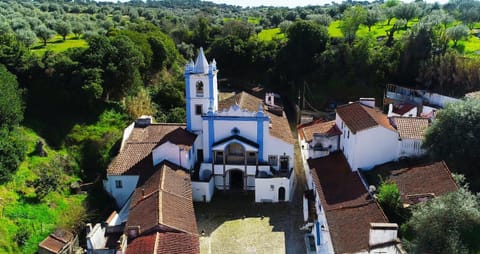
point(322, 128)
point(410, 127)
point(403, 108)
point(359, 117)
point(165, 243)
point(348, 206)
point(135, 157)
point(180, 243)
point(164, 202)
point(280, 126)
point(433, 178)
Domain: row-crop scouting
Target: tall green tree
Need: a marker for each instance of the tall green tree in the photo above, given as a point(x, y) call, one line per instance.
point(455, 137)
point(458, 32)
point(63, 28)
point(44, 33)
point(352, 18)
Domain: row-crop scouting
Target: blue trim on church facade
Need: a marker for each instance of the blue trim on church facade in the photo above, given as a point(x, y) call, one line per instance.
point(236, 118)
point(188, 101)
point(210, 87)
point(260, 139)
point(211, 136)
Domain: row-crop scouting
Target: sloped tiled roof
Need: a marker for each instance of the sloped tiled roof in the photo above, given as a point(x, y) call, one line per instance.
point(164, 201)
point(359, 117)
point(410, 127)
point(165, 243)
point(402, 108)
point(434, 178)
point(322, 128)
point(135, 157)
point(348, 206)
point(280, 127)
point(56, 241)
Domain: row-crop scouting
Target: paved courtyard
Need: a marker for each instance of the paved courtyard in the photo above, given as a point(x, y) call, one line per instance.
point(234, 223)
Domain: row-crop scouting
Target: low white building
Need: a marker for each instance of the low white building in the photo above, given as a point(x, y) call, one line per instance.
point(319, 138)
point(411, 131)
point(368, 138)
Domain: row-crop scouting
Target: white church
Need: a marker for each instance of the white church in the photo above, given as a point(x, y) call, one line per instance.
point(240, 143)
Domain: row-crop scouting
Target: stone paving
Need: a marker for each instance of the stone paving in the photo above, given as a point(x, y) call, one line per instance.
point(234, 223)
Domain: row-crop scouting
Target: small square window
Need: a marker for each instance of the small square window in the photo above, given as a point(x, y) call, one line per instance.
point(118, 184)
point(251, 154)
point(198, 109)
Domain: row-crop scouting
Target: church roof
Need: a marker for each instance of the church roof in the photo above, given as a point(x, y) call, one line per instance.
point(165, 243)
point(236, 137)
point(135, 157)
point(201, 64)
point(163, 201)
point(279, 124)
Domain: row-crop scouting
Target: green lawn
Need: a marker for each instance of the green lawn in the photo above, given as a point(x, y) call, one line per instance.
point(271, 34)
point(471, 46)
point(56, 44)
point(379, 29)
point(20, 209)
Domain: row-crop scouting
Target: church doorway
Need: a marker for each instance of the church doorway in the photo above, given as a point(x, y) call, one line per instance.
point(236, 179)
point(281, 194)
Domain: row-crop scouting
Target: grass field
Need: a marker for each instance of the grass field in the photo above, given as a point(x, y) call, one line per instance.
point(56, 44)
point(271, 34)
point(21, 211)
point(251, 20)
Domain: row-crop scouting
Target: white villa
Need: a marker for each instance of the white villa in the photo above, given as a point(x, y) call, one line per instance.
point(366, 136)
point(242, 143)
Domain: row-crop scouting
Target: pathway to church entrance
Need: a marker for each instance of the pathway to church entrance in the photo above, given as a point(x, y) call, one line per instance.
point(234, 223)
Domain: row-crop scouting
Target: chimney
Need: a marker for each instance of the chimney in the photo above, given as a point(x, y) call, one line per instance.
point(89, 228)
point(369, 102)
point(143, 121)
point(382, 233)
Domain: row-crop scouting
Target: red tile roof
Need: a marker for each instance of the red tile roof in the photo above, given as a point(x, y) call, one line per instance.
point(433, 178)
point(165, 243)
point(359, 117)
point(403, 108)
point(347, 204)
point(321, 128)
point(410, 127)
point(163, 202)
point(135, 157)
point(56, 241)
point(280, 127)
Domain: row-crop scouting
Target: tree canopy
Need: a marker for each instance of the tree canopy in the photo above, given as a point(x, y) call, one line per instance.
point(454, 137)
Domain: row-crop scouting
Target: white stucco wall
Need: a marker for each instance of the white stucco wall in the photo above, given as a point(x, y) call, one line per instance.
point(173, 153)
point(275, 146)
point(374, 146)
point(126, 134)
point(121, 195)
point(203, 191)
point(264, 191)
point(410, 148)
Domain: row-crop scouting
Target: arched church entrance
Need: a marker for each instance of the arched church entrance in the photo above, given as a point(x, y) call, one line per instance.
point(235, 179)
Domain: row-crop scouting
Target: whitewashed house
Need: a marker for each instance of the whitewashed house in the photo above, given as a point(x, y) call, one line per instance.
point(411, 131)
point(241, 143)
point(319, 138)
point(368, 138)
